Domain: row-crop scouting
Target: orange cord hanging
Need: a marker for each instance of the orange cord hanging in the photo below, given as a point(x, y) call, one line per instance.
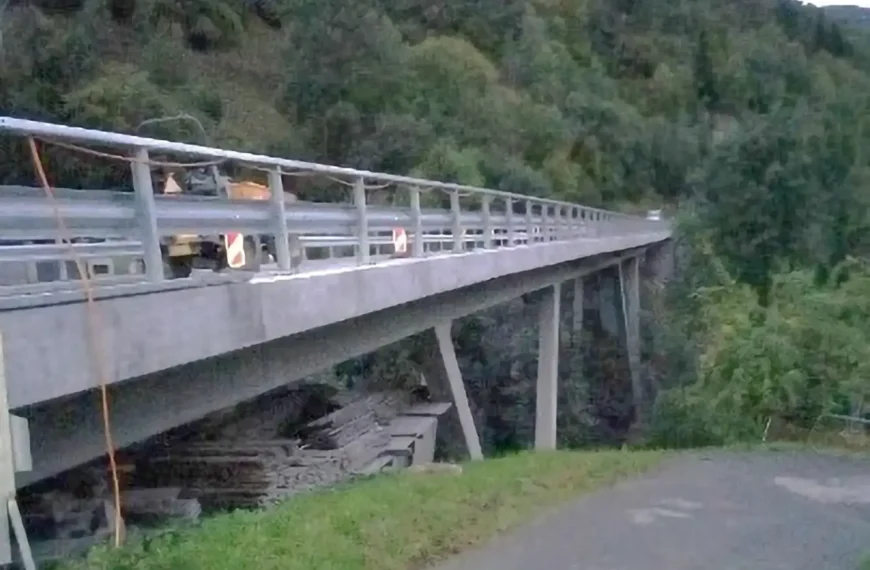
point(94, 334)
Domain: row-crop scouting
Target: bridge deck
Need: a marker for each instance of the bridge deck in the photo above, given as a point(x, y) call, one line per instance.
point(47, 347)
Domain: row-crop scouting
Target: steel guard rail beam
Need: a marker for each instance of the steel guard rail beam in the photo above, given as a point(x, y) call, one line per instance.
point(25, 214)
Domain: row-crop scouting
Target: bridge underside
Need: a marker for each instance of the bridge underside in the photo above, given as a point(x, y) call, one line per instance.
point(68, 432)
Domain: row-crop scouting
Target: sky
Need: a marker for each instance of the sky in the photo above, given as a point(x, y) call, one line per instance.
point(864, 3)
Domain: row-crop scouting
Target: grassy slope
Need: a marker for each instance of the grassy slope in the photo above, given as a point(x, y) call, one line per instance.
point(391, 522)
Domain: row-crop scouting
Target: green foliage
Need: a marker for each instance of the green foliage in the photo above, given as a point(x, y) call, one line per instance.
point(802, 355)
point(609, 102)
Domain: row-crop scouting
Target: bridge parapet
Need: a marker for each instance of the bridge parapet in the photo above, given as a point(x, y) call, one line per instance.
point(133, 226)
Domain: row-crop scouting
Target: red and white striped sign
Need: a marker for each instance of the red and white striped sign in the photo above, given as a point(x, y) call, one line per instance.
point(400, 240)
point(235, 246)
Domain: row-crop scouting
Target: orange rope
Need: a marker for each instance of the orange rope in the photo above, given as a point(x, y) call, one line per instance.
point(94, 330)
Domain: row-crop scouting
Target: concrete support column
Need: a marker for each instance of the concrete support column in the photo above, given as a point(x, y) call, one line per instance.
point(548, 369)
point(629, 281)
point(457, 390)
point(577, 312)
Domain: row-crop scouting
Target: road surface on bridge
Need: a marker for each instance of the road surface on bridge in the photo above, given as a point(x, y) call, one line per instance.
point(720, 511)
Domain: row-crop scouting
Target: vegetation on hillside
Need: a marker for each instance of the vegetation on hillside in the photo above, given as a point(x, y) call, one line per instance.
point(591, 100)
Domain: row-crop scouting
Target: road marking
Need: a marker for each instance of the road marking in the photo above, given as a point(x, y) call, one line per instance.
point(649, 516)
point(850, 490)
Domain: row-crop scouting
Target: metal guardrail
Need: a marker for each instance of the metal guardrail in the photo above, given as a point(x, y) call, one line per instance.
point(138, 219)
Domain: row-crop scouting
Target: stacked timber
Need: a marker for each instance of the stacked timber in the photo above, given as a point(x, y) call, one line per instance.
point(240, 466)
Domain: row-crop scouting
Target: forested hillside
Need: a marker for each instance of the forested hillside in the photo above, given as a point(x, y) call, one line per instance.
point(596, 100)
point(748, 114)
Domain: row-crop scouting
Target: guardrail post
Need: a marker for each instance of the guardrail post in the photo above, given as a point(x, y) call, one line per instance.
point(282, 238)
point(575, 218)
point(545, 222)
point(146, 210)
point(558, 224)
point(363, 253)
point(487, 221)
point(509, 215)
point(530, 224)
point(458, 243)
point(417, 219)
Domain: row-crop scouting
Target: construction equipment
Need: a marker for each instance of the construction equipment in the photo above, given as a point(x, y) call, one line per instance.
point(184, 252)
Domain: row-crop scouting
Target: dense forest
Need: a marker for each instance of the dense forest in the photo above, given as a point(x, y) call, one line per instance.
point(746, 116)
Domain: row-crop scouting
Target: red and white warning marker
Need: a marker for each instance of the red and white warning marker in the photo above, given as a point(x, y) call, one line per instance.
point(235, 246)
point(400, 241)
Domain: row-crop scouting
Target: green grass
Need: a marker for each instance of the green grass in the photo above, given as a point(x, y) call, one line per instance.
point(390, 522)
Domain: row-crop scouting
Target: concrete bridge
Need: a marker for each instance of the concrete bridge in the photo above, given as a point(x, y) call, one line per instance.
point(173, 350)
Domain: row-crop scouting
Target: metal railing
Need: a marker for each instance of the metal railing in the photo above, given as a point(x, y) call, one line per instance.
point(133, 224)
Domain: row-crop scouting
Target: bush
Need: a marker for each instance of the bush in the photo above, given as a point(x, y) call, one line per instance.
point(803, 355)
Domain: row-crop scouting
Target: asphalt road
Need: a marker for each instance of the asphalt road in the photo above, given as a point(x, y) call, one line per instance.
point(722, 511)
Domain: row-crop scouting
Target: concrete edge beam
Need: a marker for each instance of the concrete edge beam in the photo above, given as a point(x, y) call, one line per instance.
point(68, 432)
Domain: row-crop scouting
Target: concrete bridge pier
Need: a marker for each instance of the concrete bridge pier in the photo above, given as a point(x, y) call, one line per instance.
point(457, 389)
point(577, 312)
point(629, 285)
point(548, 368)
point(444, 381)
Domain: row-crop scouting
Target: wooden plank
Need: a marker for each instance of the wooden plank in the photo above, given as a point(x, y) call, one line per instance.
point(433, 409)
point(401, 445)
point(410, 425)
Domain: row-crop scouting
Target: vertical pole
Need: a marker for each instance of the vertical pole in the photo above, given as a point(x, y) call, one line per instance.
point(545, 223)
point(282, 238)
point(548, 369)
point(455, 209)
point(457, 387)
point(7, 464)
point(509, 214)
point(363, 252)
point(485, 203)
point(629, 282)
point(146, 211)
point(575, 220)
point(417, 219)
point(530, 225)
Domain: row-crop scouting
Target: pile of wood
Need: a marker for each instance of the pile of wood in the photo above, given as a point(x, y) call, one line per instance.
point(231, 469)
point(61, 523)
point(295, 440)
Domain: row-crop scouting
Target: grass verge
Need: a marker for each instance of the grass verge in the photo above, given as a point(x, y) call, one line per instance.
point(390, 522)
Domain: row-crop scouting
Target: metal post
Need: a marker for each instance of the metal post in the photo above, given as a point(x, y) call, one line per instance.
point(530, 225)
point(9, 510)
point(509, 214)
point(7, 465)
point(558, 224)
point(146, 211)
point(457, 387)
point(545, 223)
point(575, 223)
point(458, 244)
point(363, 252)
point(487, 221)
point(282, 237)
point(548, 369)
point(417, 219)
